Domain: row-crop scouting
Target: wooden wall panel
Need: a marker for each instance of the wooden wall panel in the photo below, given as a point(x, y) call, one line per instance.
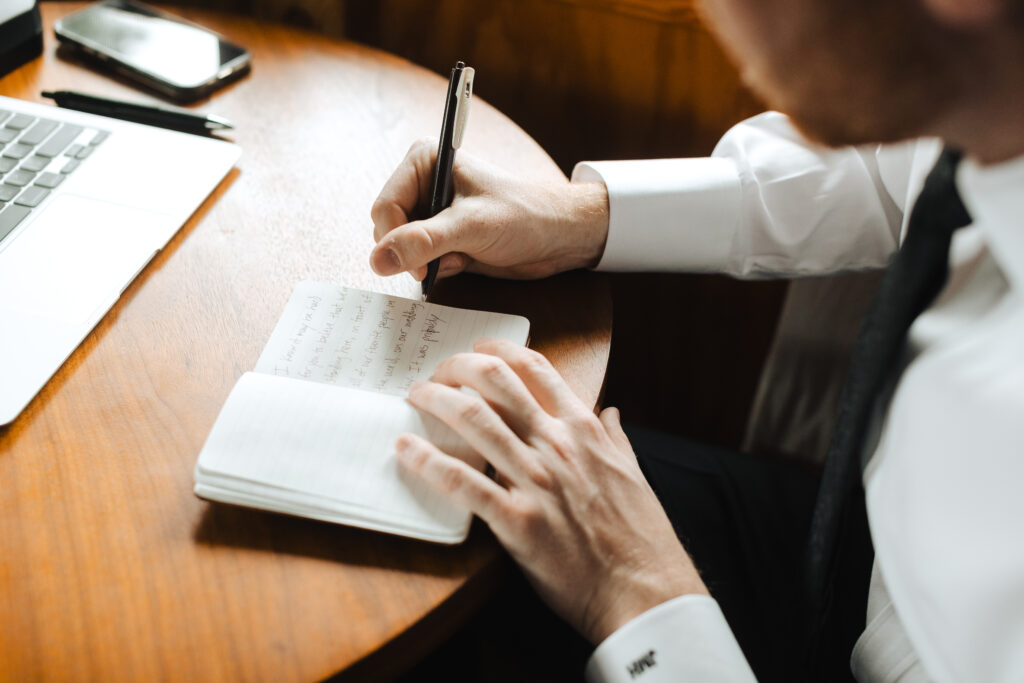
point(587, 80)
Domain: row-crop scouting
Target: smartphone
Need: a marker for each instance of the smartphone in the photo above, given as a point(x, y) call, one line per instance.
point(177, 58)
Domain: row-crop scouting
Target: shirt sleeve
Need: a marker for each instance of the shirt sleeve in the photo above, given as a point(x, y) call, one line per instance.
point(684, 639)
point(766, 203)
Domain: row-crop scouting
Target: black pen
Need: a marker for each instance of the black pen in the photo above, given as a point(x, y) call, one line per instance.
point(164, 117)
point(456, 111)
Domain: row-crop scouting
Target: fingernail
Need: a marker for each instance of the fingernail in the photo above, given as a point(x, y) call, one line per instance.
point(386, 262)
point(414, 388)
point(401, 445)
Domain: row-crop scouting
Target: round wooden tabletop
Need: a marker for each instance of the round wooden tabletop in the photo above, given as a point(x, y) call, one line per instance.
point(110, 568)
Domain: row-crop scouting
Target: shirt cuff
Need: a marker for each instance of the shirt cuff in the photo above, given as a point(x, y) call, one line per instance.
point(667, 214)
point(684, 639)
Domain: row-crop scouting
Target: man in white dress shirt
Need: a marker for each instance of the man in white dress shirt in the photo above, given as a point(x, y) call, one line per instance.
point(944, 458)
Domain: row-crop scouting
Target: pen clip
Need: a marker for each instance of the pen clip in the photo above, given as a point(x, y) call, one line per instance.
point(465, 92)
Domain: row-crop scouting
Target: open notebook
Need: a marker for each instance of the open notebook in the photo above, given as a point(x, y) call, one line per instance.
point(311, 431)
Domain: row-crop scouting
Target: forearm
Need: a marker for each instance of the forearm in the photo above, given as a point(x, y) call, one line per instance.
point(768, 203)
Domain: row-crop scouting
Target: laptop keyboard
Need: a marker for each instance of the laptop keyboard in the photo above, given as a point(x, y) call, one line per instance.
point(36, 155)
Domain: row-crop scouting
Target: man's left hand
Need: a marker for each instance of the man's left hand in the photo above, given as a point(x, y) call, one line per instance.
point(570, 503)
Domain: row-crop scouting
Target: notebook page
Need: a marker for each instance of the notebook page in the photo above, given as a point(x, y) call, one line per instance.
point(332, 445)
point(365, 340)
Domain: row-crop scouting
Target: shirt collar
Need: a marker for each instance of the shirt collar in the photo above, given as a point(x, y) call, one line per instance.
point(994, 196)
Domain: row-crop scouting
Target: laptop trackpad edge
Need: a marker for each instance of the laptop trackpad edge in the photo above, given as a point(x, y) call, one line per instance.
point(77, 256)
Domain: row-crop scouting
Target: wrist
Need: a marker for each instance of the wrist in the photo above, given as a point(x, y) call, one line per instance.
point(619, 602)
point(588, 215)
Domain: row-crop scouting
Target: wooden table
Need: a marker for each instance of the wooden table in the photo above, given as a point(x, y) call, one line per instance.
point(110, 568)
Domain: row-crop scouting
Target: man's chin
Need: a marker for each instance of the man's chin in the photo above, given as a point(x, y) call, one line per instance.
point(835, 129)
point(839, 112)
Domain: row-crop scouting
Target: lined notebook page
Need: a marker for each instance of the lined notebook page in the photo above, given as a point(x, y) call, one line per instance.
point(335, 446)
point(352, 338)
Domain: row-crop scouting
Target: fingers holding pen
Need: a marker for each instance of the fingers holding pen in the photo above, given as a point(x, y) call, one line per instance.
point(401, 198)
point(399, 201)
point(410, 247)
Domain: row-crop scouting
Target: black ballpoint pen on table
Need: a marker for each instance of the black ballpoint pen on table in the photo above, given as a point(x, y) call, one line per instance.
point(456, 112)
point(164, 117)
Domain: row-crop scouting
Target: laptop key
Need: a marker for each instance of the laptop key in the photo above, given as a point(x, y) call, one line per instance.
point(73, 151)
point(70, 166)
point(100, 136)
point(38, 132)
point(10, 217)
point(20, 122)
point(19, 178)
point(35, 163)
point(17, 151)
point(60, 140)
point(6, 135)
point(7, 164)
point(49, 180)
point(31, 196)
point(8, 192)
point(84, 152)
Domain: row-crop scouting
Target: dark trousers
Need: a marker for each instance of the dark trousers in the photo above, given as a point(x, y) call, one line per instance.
point(744, 521)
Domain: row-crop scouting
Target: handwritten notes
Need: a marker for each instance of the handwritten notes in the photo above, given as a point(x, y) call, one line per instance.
point(375, 342)
point(286, 441)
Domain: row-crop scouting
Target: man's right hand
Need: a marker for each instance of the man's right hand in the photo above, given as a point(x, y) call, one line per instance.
point(497, 225)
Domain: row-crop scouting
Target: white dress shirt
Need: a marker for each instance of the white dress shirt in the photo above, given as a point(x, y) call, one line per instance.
point(946, 471)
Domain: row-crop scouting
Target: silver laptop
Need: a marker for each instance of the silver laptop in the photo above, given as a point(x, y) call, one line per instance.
point(85, 203)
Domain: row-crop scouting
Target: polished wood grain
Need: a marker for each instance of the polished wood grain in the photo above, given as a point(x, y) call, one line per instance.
point(110, 568)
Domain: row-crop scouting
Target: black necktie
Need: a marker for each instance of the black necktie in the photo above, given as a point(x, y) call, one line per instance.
point(911, 283)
